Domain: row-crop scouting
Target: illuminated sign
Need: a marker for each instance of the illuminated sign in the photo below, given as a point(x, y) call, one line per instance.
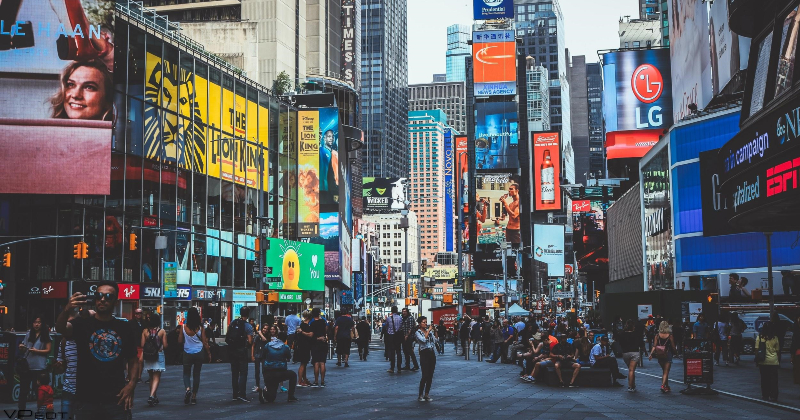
point(129, 291)
point(638, 90)
point(581, 206)
point(492, 9)
point(494, 64)
point(546, 170)
point(350, 54)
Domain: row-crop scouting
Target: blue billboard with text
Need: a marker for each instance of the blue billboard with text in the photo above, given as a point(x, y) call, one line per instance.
point(493, 9)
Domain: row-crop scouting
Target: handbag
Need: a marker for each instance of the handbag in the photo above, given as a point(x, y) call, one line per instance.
point(761, 354)
point(660, 352)
point(353, 335)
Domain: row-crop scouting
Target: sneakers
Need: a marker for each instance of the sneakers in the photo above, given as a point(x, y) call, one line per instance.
point(390, 371)
point(322, 384)
point(194, 401)
point(255, 389)
point(429, 399)
point(243, 398)
point(338, 363)
point(302, 385)
point(314, 385)
point(283, 389)
point(421, 399)
point(187, 397)
point(631, 389)
point(527, 378)
point(151, 401)
point(572, 386)
point(346, 364)
point(415, 368)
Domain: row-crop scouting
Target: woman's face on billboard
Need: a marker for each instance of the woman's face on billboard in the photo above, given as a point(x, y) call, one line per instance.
point(85, 94)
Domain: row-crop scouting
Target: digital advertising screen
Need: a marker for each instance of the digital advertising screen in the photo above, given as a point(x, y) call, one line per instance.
point(449, 192)
point(492, 9)
point(384, 194)
point(494, 63)
point(300, 265)
point(497, 208)
point(546, 149)
point(462, 173)
point(308, 180)
point(548, 247)
point(496, 136)
point(56, 96)
point(631, 144)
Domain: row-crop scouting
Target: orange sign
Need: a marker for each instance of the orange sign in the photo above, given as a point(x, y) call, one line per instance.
point(630, 144)
point(494, 62)
point(447, 298)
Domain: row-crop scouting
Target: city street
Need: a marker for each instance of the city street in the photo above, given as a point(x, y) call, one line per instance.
point(464, 388)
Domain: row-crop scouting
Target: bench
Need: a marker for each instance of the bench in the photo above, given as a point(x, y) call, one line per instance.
point(588, 377)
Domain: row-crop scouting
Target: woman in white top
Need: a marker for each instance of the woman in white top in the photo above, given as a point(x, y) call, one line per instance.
point(193, 338)
point(426, 338)
point(34, 349)
point(155, 366)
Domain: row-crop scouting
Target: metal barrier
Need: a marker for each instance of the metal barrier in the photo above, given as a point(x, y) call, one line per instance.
point(331, 350)
point(480, 351)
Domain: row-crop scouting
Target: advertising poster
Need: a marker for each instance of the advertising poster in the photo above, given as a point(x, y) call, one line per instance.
point(497, 209)
point(496, 136)
point(345, 256)
point(492, 9)
point(384, 194)
point(449, 193)
point(631, 144)
point(56, 96)
point(332, 264)
point(493, 286)
point(170, 280)
point(329, 156)
point(546, 170)
point(494, 63)
point(300, 265)
point(308, 182)
point(690, 56)
point(548, 247)
point(659, 250)
point(638, 90)
point(730, 52)
point(462, 172)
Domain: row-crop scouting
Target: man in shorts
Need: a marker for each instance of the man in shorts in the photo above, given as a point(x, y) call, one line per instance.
point(319, 347)
point(138, 326)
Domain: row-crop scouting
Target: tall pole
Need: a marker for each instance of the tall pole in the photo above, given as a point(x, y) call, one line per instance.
point(406, 265)
point(459, 237)
point(769, 275)
point(504, 254)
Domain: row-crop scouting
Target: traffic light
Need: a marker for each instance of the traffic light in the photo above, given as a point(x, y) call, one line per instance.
point(132, 242)
point(414, 290)
point(84, 250)
point(76, 251)
point(397, 290)
point(597, 294)
point(3, 310)
point(261, 297)
point(7, 259)
point(257, 245)
point(713, 298)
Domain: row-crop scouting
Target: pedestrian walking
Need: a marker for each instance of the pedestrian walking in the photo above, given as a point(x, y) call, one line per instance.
point(720, 337)
point(106, 350)
point(302, 349)
point(139, 324)
point(441, 333)
point(768, 352)
point(385, 339)
point(364, 336)
point(33, 353)
point(601, 358)
point(275, 370)
point(663, 349)
point(700, 328)
point(475, 335)
point(463, 334)
point(344, 332)
point(154, 342)
point(735, 345)
point(240, 353)
point(409, 327)
point(193, 340)
point(293, 320)
point(631, 345)
point(319, 347)
point(260, 339)
point(68, 357)
point(393, 339)
point(486, 336)
point(425, 337)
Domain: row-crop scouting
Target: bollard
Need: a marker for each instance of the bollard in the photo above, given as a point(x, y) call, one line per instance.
point(330, 350)
point(466, 352)
point(480, 351)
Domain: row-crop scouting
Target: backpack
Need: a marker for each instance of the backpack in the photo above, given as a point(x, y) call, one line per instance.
point(237, 334)
point(150, 349)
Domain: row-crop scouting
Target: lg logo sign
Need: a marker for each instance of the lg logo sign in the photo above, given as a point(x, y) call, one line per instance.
point(647, 85)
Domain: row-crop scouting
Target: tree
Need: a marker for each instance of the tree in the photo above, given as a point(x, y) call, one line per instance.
point(282, 84)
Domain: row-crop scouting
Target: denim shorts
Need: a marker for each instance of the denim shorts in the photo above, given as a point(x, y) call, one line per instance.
point(547, 363)
point(631, 356)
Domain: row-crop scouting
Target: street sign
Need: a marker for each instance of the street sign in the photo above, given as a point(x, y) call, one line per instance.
point(562, 295)
point(586, 304)
point(413, 276)
point(256, 275)
point(264, 270)
point(468, 274)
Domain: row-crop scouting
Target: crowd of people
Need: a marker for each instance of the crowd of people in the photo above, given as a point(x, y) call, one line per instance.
point(104, 358)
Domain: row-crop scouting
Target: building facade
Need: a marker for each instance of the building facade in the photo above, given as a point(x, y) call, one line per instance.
point(170, 144)
point(597, 150)
point(538, 94)
point(458, 49)
point(450, 97)
point(638, 33)
point(656, 9)
point(427, 190)
point(384, 88)
point(580, 123)
point(391, 242)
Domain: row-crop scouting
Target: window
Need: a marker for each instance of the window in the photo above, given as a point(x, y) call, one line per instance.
point(636, 44)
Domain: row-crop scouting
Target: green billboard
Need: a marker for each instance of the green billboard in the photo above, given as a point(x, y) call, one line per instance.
point(298, 265)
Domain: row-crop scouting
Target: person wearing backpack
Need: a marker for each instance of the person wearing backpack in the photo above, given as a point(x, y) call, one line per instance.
point(154, 341)
point(193, 341)
point(240, 353)
point(720, 337)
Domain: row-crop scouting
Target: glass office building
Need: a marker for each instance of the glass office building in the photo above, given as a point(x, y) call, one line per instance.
point(458, 49)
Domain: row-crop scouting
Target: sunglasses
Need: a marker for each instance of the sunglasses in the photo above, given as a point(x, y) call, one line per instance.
point(107, 296)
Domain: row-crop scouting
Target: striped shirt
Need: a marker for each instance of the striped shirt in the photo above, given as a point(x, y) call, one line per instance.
point(70, 376)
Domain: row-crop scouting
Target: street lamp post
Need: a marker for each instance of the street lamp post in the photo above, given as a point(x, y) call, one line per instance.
point(504, 247)
point(406, 264)
point(460, 236)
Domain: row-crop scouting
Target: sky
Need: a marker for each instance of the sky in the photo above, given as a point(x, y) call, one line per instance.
point(590, 25)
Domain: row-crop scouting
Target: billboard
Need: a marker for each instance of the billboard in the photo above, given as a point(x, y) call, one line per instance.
point(546, 170)
point(57, 106)
point(729, 52)
point(496, 136)
point(494, 63)
point(548, 247)
point(638, 90)
point(462, 172)
point(384, 194)
point(631, 144)
point(300, 265)
point(308, 179)
point(449, 193)
point(328, 157)
point(492, 9)
point(351, 41)
point(690, 56)
point(497, 209)
point(493, 286)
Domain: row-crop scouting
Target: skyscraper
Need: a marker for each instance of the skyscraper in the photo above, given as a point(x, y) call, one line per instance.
point(538, 94)
point(450, 97)
point(656, 9)
point(580, 123)
point(384, 88)
point(594, 86)
point(457, 50)
point(540, 24)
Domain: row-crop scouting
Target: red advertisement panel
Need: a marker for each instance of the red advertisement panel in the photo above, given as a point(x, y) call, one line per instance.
point(129, 292)
point(546, 170)
point(495, 62)
point(581, 206)
point(630, 144)
point(54, 290)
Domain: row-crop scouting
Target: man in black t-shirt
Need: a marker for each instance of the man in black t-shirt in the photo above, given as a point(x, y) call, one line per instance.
point(319, 347)
point(342, 330)
point(364, 337)
point(106, 349)
point(563, 354)
point(138, 326)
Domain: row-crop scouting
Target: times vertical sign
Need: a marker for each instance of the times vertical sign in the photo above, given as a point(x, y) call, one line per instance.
point(350, 18)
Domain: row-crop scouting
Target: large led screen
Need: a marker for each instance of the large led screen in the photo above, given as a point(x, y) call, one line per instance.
point(548, 247)
point(492, 9)
point(494, 63)
point(497, 209)
point(496, 136)
point(308, 179)
point(56, 96)
point(546, 170)
point(300, 265)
